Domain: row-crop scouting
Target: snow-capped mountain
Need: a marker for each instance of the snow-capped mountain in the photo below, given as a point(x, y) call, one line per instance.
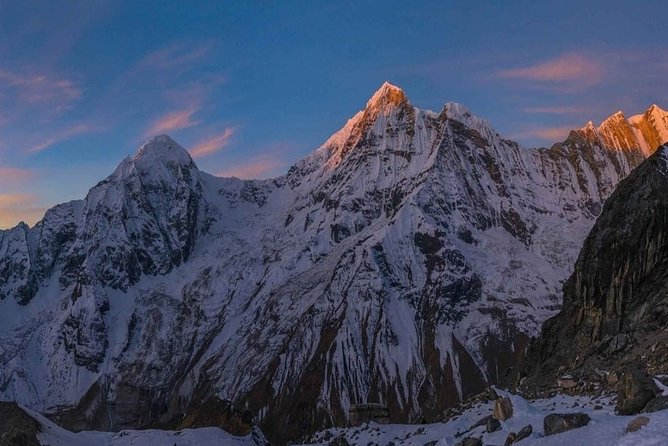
point(408, 260)
point(646, 131)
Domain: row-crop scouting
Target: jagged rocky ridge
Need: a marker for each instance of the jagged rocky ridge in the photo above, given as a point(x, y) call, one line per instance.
point(615, 308)
point(408, 260)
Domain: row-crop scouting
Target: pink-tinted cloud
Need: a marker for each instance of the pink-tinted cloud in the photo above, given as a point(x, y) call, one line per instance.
point(63, 135)
point(553, 134)
point(557, 110)
point(198, 90)
point(564, 68)
point(40, 88)
point(19, 207)
point(260, 167)
point(178, 55)
point(162, 74)
point(10, 175)
point(176, 120)
point(213, 144)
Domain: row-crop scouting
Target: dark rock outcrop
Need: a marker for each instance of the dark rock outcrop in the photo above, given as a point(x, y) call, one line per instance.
point(616, 301)
point(17, 428)
point(218, 413)
point(636, 390)
point(656, 404)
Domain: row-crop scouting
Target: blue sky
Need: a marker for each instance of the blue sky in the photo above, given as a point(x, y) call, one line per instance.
point(252, 86)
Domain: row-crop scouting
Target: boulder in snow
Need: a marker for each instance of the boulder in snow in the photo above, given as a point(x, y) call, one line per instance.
point(525, 432)
point(492, 425)
point(556, 423)
point(503, 409)
point(471, 441)
point(637, 423)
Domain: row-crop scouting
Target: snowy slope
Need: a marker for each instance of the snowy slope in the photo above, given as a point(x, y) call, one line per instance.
point(604, 429)
point(51, 434)
point(406, 260)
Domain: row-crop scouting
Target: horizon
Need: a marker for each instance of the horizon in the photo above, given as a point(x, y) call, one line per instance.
point(236, 90)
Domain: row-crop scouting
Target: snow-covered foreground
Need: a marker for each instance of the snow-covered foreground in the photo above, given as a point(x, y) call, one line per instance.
point(54, 435)
point(604, 429)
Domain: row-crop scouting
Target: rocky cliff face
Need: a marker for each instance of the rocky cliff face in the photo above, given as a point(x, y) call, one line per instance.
point(406, 261)
point(616, 302)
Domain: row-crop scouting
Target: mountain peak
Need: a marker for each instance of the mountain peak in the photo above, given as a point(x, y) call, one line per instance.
point(387, 94)
point(656, 114)
point(159, 154)
point(163, 148)
point(655, 108)
point(613, 120)
point(461, 113)
point(645, 131)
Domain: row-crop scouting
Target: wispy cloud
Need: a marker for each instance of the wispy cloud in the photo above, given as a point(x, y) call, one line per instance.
point(179, 80)
point(63, 135)
point(552, 134)
point(259, 167)
point(556, 110)
point(19, 207)
point(172, 121)
point(570, 67)
point(40, 88)
point(10, 175)
point(212, 145)
point(180, 54)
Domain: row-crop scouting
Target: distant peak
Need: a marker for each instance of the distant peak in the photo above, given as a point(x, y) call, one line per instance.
point(655, 110)
point(655, 107)
point(156, 156)
point(387, 94)
point(619, 118)
point(455, 109)
point(460, 113)
point(163, 148)
point(613, 119)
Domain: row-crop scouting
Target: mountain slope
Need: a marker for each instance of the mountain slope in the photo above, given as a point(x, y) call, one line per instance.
point(605, 428)
point(407, 260)
point(20, 426)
